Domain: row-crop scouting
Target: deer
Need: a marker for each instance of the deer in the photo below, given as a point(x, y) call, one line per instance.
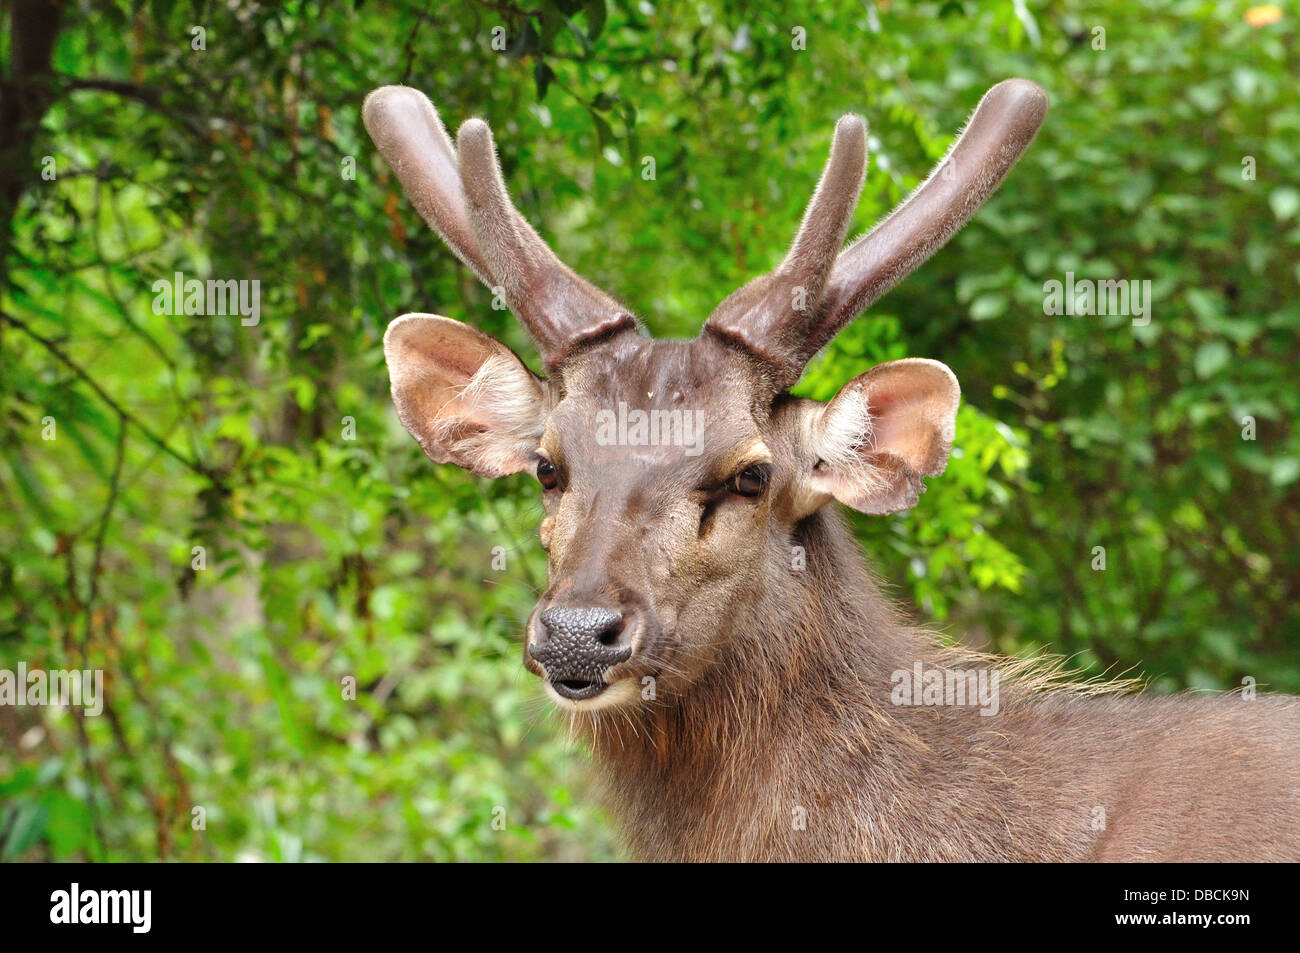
point(739, 709)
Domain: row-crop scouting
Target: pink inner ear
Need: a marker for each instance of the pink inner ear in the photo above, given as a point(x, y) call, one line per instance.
point(900, 424)
point(455, 357)
point(464, 396)
point(901, 440)
point(912, 405)
point(453, 365)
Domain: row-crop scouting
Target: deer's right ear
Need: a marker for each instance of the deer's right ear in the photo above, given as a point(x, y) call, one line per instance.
point(463, 395)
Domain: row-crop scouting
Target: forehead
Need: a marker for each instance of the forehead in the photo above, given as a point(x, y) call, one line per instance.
point(645, 404)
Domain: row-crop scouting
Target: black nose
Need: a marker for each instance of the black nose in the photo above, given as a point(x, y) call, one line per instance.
point(577, 646)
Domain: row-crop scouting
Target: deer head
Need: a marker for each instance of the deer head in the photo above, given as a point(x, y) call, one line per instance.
point(676, 475)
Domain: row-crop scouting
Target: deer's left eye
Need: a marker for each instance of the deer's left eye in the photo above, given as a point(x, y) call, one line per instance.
point(750, 482)
point(547, 475)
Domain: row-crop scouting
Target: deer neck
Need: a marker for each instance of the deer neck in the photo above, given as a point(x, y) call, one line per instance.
point(805, 680)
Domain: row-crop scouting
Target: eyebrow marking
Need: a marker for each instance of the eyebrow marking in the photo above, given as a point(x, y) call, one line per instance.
point(550, 443)
point(746, 455)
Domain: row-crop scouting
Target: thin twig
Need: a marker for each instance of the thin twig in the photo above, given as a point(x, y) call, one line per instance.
point(117, 408)
point(96, 567)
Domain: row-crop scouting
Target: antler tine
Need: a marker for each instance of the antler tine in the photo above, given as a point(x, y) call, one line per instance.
point(460, 192)
point(560, 309)
point(410, 136)
point(1000, 130)
point(830, 212)
point(769, 316)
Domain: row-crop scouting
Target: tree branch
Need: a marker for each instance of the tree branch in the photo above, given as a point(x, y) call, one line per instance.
point(122, 412)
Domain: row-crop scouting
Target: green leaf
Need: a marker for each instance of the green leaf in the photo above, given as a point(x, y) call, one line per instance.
point(595, 17)
point(543, 75)
point(1284, 202)
point(988, 305)
point(1286, 470)
point(1211, 357)
point(604, 132)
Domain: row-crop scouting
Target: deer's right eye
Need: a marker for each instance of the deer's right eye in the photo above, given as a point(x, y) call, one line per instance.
point(547, 475)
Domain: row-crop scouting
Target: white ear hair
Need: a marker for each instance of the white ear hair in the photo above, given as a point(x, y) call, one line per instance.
point(497, 390)
point(883, 432)
point(843, 431)
point(465, 396)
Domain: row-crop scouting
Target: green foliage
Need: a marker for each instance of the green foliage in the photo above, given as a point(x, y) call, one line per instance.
point(331, 548)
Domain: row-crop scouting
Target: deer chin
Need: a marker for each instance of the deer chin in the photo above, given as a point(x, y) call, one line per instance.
point(609, 695)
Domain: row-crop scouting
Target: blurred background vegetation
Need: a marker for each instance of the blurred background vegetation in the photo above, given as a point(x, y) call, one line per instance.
point(229, 520)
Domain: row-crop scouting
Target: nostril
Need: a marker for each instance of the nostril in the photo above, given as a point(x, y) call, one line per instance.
point(589, 623)
point(611, 632)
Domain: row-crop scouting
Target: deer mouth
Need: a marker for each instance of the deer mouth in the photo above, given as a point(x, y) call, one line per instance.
point(578, 689)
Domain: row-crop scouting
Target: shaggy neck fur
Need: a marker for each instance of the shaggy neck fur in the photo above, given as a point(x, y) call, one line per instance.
point(790, 747)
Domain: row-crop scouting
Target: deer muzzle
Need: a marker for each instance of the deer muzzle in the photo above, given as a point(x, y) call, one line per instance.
point(577, 645)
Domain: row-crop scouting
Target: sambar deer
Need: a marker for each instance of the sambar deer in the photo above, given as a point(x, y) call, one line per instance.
point(740, 705)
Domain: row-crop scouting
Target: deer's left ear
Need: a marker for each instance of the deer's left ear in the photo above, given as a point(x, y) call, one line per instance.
point(883, 432)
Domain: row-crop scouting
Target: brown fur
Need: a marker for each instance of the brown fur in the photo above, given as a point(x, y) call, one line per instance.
point(797, 713)
point(744, 707)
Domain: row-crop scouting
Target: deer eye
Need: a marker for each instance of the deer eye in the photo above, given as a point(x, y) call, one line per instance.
point(547, 475)
point(750, 482)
